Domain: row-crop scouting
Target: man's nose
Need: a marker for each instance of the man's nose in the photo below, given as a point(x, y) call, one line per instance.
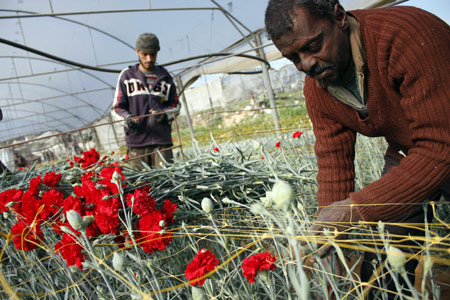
point(307, 62)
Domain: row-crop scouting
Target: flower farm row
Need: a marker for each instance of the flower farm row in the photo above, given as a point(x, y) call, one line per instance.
point(225, 223)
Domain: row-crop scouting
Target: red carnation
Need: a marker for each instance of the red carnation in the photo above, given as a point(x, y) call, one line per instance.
point(26, 237)
point(73, 203)
point(278, 145)
point(204, 262)
point(150, 236)
point(297, 134)
point(107, 215)
point(34, 185)
point(53, 200)
point(69, 249)
point(168, 209)
point(107, 174)
point(8, 196)
point(29, 206)
point(258, 262)
point(143, 202)
point(51, 179)
point(89, 159)
point(88, 191)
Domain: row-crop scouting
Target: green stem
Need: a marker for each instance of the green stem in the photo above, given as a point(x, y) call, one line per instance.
point(99, 267)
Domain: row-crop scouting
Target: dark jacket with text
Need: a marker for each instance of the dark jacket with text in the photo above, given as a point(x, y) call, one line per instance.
point(133, 97)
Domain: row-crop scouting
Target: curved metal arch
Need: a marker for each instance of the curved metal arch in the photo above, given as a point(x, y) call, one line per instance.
point(32, 115)
point(107, 12)
point(82, 120)
point(52, 97)
point(38, 52)
point(53, 72)
point(50, 116)
point(99, 112)
point(31, 131)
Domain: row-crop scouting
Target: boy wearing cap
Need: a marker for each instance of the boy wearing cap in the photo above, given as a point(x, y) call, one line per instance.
point(143, 89)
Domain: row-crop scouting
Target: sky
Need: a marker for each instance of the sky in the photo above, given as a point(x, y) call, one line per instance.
point(440, 8)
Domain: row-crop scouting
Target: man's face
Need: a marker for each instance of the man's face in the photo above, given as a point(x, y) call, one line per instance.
point(318, 46)
point(147, 60)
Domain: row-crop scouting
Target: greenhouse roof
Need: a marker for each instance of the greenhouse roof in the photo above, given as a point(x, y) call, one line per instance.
point(61, 58)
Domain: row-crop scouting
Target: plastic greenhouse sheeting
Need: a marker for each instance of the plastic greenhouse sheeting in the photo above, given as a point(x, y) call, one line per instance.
point(50, 50)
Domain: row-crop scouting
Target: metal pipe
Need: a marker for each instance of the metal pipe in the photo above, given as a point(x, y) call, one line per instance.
point(56, 97)
point(72, 131)
point(106, 12)
point(227, 13)
point(78, 23)
point(95, 108)
point(184, 104)
point(268, 85)
point(49, 73)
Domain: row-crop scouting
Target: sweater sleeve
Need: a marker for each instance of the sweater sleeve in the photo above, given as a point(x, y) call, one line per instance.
point(335, 151)
point(173, 98)
point(418, 65)
point(120, 105)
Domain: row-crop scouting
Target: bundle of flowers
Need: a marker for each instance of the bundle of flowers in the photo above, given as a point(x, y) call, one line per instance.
point(95, 198)
point(223, 224)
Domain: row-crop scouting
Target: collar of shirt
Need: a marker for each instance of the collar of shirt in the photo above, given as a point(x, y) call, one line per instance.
point(342, 93)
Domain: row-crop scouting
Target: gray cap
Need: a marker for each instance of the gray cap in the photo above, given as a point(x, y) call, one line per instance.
point(147, 42)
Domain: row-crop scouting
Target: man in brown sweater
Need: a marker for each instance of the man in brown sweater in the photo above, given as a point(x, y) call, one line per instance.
point(377, 72)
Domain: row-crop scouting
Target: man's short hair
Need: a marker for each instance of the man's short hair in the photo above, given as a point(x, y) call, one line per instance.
point(279, 14)
point(147, 42)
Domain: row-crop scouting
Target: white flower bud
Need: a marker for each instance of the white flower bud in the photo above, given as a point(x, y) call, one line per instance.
point(226, 200)
point(116, 177)
point(207, 205)
point(162, 223)
point(135, 296)
point(258, 209)
point(257, 145)
point(87, 220)
point(268, 199)
point(396, 259)
point(119, 262)
point(283, 195)
point(381, 227)
point(74, 219)
point(198, 293)
point(10, 204)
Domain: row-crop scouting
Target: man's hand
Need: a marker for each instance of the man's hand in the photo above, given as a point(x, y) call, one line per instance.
point(132, 121)
point(159, 115)
point(337, 217)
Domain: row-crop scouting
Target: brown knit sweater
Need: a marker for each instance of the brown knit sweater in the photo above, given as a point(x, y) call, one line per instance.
point(408, 93)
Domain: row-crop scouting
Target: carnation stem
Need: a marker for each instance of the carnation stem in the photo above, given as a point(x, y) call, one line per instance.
point(83, 232)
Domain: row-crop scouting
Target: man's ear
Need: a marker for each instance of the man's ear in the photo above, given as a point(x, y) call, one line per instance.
point(340, 16)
